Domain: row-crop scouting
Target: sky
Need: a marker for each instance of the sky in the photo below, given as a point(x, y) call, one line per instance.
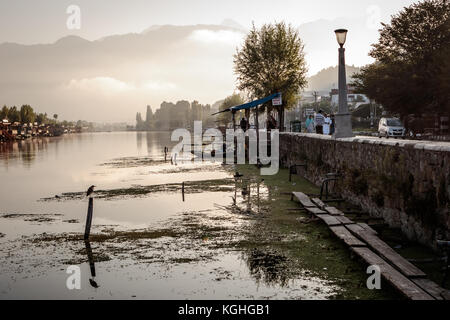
point(204, 54)
point(42, 21)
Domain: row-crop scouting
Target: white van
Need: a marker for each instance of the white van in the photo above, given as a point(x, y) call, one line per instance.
point(391, 127)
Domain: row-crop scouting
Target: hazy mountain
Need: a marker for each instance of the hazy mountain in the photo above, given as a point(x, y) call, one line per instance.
point(327, 79)
point(112, 78)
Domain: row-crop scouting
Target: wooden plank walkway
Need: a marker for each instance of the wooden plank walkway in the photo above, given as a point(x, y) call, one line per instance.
point(432, 288)
point(303, 199)
point(386, 252)
point(367, 227)
point(319, 203)
point(315, 211)
point(344, 220)
point(342, 233)
point(399, 281)
point(364, 241)
point(329, 220)
point(333, 211)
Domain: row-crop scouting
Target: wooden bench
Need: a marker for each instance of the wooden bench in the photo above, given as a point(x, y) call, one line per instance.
point(399, 281)
point(386, 252)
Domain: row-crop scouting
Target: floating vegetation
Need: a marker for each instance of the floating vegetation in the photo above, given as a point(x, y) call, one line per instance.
point(72, 221)
point(130, 162)
point(32, 217)
point(220, 185)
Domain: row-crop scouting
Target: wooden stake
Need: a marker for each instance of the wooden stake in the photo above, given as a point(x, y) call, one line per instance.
point(87, 229)
point(182, 190)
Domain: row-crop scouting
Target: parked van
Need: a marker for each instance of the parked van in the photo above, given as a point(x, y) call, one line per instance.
point(391, 127)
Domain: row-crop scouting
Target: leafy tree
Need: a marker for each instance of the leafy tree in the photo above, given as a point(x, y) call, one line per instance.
point(14, 115)
point(231, 101)
point(411, 72)
point(272, 60)
point(55, 116)
point(4, 113)
point(27, 114)
point(41, 118)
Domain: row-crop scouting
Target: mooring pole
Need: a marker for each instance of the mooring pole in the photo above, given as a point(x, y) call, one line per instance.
point(87, 230)
point(182, 190)
point(90, 257)
point(257, 134)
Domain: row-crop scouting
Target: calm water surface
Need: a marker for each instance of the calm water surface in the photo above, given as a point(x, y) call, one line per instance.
point(190, 255)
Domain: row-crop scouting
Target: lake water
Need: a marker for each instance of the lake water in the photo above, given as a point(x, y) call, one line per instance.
point(222, 242)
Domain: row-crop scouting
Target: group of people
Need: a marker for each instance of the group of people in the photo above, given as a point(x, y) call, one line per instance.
point(271, 123)
point(320, 123)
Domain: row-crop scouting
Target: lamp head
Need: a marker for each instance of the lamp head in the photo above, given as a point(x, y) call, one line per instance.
point(341, 36)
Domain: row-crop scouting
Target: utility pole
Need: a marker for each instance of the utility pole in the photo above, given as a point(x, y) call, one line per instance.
point(315, 100)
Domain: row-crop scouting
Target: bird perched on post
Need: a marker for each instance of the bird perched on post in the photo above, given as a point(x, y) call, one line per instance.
point(90, 190)
point(238, 175)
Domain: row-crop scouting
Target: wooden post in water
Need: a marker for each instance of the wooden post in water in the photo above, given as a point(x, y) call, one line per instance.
point(182, 190)
point(257, 134)
point(87, 229)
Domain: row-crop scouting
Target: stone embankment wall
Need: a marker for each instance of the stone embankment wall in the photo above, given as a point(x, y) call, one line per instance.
point(405, 182)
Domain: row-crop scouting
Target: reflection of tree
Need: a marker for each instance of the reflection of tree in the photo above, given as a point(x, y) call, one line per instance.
point(267, 266)
point(25, 150)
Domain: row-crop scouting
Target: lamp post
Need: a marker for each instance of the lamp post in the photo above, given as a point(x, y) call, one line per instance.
point(343, 126)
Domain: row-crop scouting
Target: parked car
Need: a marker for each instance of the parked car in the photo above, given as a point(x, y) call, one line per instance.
point(391, 127)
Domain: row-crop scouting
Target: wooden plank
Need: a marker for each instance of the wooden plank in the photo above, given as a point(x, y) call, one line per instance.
point(399, 281)
point(315, 211)
point(432, 288)
point(333, 211)
point(367, 227)
point(300, 195)
point(319, 203)
point(386, 252)
point(344, 220)
point(329, 220)
point(342, 233)
point(304, 199)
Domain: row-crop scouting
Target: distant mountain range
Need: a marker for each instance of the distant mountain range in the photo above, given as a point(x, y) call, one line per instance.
point(112, 78)
point(327, 79)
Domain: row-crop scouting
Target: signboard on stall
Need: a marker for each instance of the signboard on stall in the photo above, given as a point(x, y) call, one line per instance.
point(277, 101)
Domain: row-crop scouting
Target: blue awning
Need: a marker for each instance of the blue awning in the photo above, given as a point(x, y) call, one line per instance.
point(250, 105)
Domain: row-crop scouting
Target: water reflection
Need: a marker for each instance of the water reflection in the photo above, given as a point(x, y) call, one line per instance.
point(268, 267)
point(25, 150)
point(92, 281)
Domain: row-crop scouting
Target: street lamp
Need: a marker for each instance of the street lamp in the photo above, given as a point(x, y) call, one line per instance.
point(341, 36)
point(343, 126)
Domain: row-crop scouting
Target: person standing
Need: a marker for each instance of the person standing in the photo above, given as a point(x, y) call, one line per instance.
point(332, 124)
point(326, 125)
point(310, 124)
point(319, 121)
point(243, 124)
